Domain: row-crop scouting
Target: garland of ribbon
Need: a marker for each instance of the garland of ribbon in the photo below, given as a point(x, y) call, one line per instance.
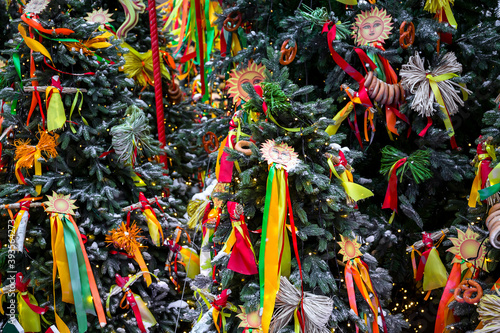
point(27, 155)
point(70, 260)
point(357, 270)
point(143, 316)
point(28, 311)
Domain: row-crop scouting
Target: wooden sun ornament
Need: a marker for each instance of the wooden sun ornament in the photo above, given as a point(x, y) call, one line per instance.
point(253, 74)
point(281, 154)
point(36, 6)
point(468, 250)
point(250, 321)
point(99, 16)
point(349, 248)
point(60, 203)
point(372, 26)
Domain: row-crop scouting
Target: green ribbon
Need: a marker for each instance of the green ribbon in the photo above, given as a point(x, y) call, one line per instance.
point(75, 100)
point(78, 273)
point(486, 192)
point(262, 251)
point(17, 65)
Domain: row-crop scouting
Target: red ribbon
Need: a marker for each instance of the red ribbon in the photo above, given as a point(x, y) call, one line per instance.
point(200, 45)
point(121, 281)
point(443, 310)
point(391, 196)
point(363, 94)
point(429, 124)
point(260, 92)
point(22, 287)
point(52, 67)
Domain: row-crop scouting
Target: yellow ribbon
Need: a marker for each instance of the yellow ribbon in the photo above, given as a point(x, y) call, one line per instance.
point(353, 190)
point(437, 93)
point(155, 230)
point(33, 44)
point(56, 117)
point(434, 6)
point(477, 183)
point(339, 118)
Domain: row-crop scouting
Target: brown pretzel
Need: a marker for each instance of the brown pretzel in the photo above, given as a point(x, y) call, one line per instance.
point(210, 142)
point(406, 34)
point(287, 53)
point(233, 21)
point(174, 93)
point(469, 287)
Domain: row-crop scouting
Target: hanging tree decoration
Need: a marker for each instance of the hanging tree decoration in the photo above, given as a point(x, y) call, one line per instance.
point(274, 254)
point(395, 163)
point(238, 244)
point(315, 310)
point(184, 255)
point(155, 229)
point(18, 233)
point(99, 16)
point(250, 321)
point(485, 154)
point(253, 74)
point(28, 156)
point(488, 312)
point(70, 260)
point(216, 305)
point(437, 84)
point(142, 314)
point(127, 237)
point(356, 271)
point(354, 192)
point(140, 67)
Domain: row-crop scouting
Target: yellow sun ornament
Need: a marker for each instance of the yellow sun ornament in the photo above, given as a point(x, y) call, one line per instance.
point(281, 154)
point(99, 16)
point(349, 248)
point(60, 203)
point(250, 321)
point(467, 248)
point(372, 26)
point(253, 74)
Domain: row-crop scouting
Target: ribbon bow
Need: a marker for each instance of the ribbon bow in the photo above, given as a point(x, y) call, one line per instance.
point(27, 155)
point(27, 307)
point(217, 306)
point(190, 260)
point(437, 6)
point(155, 230)
point(144, 317)
point(20, 223)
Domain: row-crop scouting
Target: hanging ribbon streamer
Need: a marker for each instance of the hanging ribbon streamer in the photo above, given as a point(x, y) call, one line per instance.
point(391, 195)
point(362, 93)
point(274, 254)
point(356, 272)
point(28, 311)
point(216, 308)
point(437, 6)
point(211, 219)
point(27, 156)
point(21, 224)
point(242, 259)
point(79, 107)
point(70, 260)
point(142, 314)
point(339, 118)
point(155, 230)
point(35, 25)
point(56, 117)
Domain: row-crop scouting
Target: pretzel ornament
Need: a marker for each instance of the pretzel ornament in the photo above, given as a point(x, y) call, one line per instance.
point(244, 147)
point(406, 34)
point(469, 287)
point(210, 142)
point(288, 53)
point(233, 21)
point(174, 93)
point(382, 92)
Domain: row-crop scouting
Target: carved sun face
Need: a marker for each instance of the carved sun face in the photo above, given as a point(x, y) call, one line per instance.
point(60, 203)
point(279, 153)
point(253, 74)
point(372, 26)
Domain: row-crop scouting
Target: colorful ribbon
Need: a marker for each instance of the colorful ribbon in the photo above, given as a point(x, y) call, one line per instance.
point(155, 230)
point(484, 158)
point(355, 191)
point(143, 316)
point(391, 195)
point(70, 260)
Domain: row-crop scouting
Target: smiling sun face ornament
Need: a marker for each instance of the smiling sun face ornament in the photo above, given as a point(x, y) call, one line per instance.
point(467, 246)
point(253, 74)
point(372, 26)
point(281, 154)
